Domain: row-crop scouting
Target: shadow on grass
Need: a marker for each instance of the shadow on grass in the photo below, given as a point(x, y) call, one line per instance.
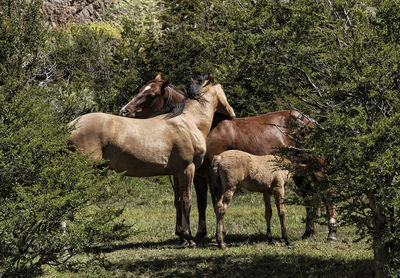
point(170, 243)
point(227, 265)
point(231, 264)
point(232, 240)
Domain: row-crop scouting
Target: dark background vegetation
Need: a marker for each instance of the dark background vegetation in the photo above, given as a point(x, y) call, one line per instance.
point(337, 61)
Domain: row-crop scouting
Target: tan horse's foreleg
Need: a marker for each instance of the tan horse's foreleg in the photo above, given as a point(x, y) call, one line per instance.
point(268, 215)
point(279, 195)
point(185, 199)
point(178, 227)
point(200, 185)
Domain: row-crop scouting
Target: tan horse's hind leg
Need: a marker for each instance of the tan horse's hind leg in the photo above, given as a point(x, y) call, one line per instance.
point(184, 193)
point(268, 215)
point(201, 187)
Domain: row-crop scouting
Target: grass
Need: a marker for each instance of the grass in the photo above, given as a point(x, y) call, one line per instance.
point(152, 249)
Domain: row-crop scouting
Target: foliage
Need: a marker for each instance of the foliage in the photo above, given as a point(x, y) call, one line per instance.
point(341, 60)
point(43, 181)
point(143, 12)
point(96, 66)
point(83, 70)
point(334, 60)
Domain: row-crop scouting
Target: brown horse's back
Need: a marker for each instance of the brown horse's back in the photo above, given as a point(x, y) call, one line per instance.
point(258, 135)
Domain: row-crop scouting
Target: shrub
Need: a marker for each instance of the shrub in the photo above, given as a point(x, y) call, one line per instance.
point(43, 181)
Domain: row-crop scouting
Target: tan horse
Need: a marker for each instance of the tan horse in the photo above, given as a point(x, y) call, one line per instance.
point(156, 146)
point(237, 169)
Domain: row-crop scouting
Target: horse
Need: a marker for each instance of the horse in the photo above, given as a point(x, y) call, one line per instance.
point(259, 135)
point(163, 145)
point(235, 169)
point(156, 97)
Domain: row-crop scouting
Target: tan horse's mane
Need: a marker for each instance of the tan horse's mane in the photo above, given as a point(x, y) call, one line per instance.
point(179, 107)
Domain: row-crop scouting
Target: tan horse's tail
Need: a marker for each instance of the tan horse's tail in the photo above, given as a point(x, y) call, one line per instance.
point(215, 179)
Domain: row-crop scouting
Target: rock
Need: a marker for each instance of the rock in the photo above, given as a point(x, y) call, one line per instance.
point(61, 12)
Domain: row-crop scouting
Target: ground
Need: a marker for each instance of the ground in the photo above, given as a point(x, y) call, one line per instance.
point(152, 249)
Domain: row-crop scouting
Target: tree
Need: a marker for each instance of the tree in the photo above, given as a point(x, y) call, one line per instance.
point(339, 59)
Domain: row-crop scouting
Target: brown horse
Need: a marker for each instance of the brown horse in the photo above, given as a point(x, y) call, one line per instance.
point(258, 135)
point(156, 97)
point(156, 146)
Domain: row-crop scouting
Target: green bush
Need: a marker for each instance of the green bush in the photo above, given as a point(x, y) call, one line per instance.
point(83, 68)
point(43, 181)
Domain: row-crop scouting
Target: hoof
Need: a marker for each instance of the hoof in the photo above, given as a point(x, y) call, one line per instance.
point(332, 232)
point(307, 234)
point(187, 244)
point(332, 238)
point(200, 236)
point(222, 245)
point(289, 244)
point(192, 244)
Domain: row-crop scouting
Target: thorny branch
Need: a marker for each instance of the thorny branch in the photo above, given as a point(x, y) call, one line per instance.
point(283, 132)
point(308, 118)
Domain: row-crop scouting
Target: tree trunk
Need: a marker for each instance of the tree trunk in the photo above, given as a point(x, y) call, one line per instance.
point(380, 257)
point(381, 250)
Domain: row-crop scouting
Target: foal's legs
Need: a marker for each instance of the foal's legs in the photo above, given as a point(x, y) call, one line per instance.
point(220, 209)
point(268, 214)
point(281, 212)
point(216, 191)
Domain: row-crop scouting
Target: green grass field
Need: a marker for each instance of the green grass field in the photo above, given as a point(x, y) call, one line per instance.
point(152, 249)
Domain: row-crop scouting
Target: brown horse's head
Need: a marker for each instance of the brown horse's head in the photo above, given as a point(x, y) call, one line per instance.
point(156, 97)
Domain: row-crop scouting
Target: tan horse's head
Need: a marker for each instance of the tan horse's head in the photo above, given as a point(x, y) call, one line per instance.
point(156, 97)
point(223, 106)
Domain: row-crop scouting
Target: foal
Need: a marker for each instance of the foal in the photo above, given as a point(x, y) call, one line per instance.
point(236, 169)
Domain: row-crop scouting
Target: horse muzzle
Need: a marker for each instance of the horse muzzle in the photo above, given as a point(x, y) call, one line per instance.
point(125, 112)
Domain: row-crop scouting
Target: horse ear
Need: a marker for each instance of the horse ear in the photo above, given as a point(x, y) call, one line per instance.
point(211, 78)
point(165, 84)
point(158, 77)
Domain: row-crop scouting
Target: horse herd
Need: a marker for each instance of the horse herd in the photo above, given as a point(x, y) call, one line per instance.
point(164, 131)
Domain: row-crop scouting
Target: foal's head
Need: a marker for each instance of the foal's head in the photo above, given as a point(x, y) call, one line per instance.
point(156, 97)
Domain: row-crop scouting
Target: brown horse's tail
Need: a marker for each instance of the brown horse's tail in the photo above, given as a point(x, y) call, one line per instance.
point(215, 179)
